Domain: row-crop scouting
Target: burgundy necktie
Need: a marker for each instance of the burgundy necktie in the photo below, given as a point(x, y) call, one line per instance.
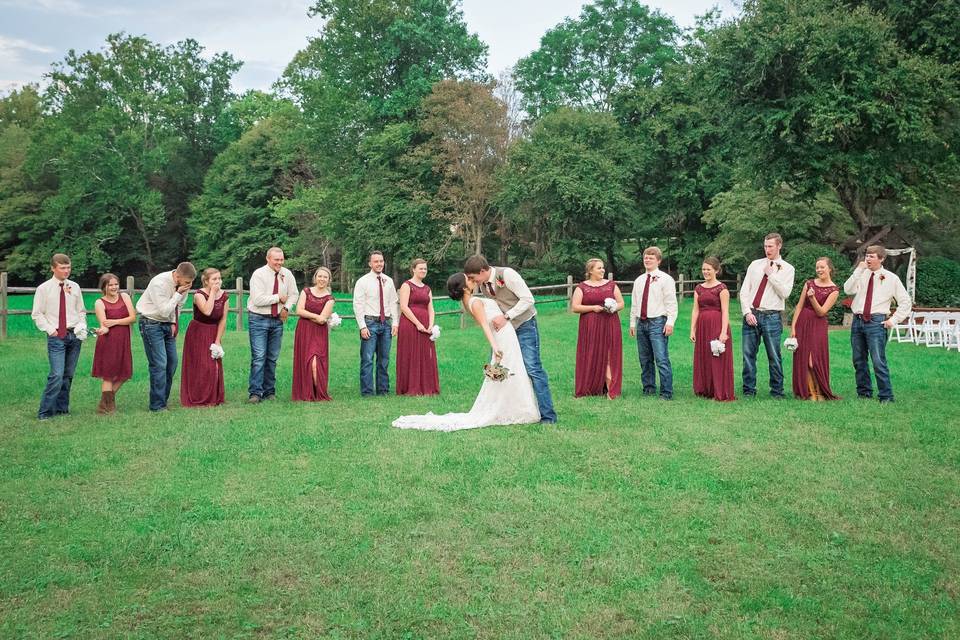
point(868, 301)
point(383, 315)
point(490, 290)
point(274, 308)
point(643, 300)
point(760, 290)
point(62, 323)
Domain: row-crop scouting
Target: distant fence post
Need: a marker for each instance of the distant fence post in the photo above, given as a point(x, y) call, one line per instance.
point(3, 305)
point(739, 282)
point(130, 287)
point(680, 287)
point(569, 292)
point(239, 304)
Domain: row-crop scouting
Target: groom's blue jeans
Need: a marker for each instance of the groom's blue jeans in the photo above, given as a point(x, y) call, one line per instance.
point(652, 349)
point(529, 338)
point(378, 344)
point(870, 338)
point(769, 329)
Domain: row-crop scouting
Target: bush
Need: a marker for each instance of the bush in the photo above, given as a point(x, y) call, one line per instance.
point(803, 257)
point(938, 282)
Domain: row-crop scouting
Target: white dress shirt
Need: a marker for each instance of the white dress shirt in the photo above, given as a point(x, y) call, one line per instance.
point(661, 301)
point(515, 283)
point(775, 293)
point(886, 288)
point(366, 299)
point(262, 298)
point(161, 301)
point(46, 306)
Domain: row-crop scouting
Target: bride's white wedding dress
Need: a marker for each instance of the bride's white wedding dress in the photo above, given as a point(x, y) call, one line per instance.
point(511, 401)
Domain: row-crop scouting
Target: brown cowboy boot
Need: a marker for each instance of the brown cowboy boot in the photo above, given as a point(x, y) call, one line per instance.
point(111, 401)
point(102, 405)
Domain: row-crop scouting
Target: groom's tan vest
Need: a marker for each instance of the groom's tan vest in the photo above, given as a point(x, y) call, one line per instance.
point(506, 299)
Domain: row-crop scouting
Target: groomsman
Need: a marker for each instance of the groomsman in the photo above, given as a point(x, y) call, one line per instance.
point(873, 288)
point(513, 296)
point(158, 310)
point(653, 312)
point(273, 293)
point(763, 294)
point(375, 304)
point(58, 311)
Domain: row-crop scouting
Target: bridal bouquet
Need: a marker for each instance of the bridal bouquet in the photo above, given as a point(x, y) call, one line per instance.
point(216, 351)
point(496, 372)
point(334, 321)
point(610, 305)
point(81, 334)
point(434, 333)
point(717, 347)
point(791, 344)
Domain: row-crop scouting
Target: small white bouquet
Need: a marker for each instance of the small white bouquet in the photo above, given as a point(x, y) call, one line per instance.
point(80, 333)
point(610, 305)
point(334, 321)
point(717, 347)
point(434, 332)
point(791, 344)
point(216, 351)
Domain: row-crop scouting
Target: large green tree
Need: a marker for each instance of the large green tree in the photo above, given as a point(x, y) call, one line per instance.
point(818, 96)
point(583, 62)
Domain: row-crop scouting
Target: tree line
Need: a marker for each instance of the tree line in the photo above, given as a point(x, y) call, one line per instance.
point(833, 122)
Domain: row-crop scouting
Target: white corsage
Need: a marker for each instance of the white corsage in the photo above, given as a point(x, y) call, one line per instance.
point(610, 305)
point(717, 347)
point(791, 344)
point(434, 332)
point(216, 351)
point(334, 321)
point(80, 333)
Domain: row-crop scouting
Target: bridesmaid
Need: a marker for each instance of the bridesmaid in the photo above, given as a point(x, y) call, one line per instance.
point(201, 379)
point(112, 360)
point(416, 354)
point(811, 360)
point(311, 360)
point(599, 366)
point(710, 320)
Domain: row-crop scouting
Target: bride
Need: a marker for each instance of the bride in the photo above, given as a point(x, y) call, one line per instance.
point(506, 402)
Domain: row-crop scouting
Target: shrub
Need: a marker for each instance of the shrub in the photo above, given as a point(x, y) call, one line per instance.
point(803, 257)
point(938, 282)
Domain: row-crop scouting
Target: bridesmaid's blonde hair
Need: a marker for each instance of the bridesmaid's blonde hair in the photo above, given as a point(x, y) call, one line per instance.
point(317, 273)
point(207, 274)
point(829, 264)
point(416, 263)
point(589, 265)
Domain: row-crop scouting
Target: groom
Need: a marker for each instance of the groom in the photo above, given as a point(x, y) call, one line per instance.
point(512, 295)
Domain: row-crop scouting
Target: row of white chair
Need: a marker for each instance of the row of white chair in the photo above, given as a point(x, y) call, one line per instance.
point(931, 328)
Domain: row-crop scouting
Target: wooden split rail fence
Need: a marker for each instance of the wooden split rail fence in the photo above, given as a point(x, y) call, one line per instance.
point(684, 288)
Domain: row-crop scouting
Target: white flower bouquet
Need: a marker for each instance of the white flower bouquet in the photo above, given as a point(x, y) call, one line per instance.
point(80, 333)
point(334, 320)
point(216, 351)
point(610, 305)
point(717, 347)
point(791, 344)
point(434, 332)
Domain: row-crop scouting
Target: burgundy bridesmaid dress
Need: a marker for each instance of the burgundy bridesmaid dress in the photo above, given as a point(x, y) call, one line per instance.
point(310, 341)
point(813, 381)
point(112, 360)
point(417, 373)
point(201, 377)
point(712, 375)
point(599, 344)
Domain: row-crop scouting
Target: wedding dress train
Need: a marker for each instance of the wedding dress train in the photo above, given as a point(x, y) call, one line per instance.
point(511, 401)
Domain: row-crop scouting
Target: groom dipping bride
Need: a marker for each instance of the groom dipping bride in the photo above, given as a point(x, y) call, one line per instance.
point(507, 315)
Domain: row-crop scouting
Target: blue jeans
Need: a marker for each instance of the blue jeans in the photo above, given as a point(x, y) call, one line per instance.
point(870, 338)
point(63, 354)
point(160, 346)
point(770, 329)
point(652, 349)
point(529, 338)
point(378, 343)
point(266, 335)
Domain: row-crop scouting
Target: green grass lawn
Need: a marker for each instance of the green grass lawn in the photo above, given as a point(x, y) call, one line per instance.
point(634, 518)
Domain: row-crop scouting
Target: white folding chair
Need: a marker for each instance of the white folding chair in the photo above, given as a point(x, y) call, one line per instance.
point(918, 319)
point(951, 331)
point(907, 327)
point(933, 329)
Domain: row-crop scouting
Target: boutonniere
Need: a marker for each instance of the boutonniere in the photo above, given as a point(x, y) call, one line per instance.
point(500, 281)
point(68, 289)
point(882, 277)
point(654, 278)
point(280, 273)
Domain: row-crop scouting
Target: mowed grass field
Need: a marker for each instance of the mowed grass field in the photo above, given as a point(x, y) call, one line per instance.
point(634, 518)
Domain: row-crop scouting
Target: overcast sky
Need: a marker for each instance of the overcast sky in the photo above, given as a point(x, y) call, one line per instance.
point(263, 34)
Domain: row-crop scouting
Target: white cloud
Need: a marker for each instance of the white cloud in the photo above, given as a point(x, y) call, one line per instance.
point(51, 6)
point(11, 47)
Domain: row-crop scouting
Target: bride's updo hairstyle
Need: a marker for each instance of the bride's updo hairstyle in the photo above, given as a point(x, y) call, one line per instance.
point(455, 286)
